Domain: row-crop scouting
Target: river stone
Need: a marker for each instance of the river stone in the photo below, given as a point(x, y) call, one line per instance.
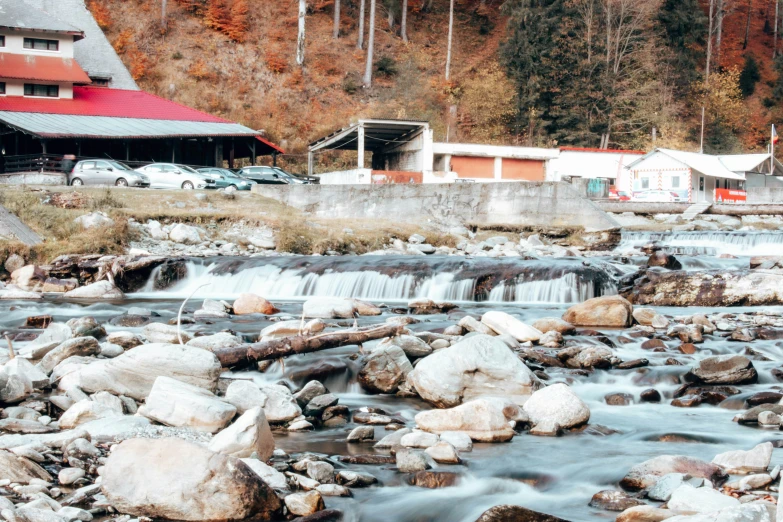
point(649, 472)
point(470, 324)
point(443, 453)
point(245, 395)
point(503, 323)
point(80, 346)
point(687, 499)
point(663, 489)
point(134, 372)
point(411, 460)
point(392, 439)
point(280, 405)
point(644, 316)
point(509, 513)
point(68, 476)
point(28, 277)
point(364, 308)
point(304, 503)
point(268, 474)
point(185, 234)
point(163, 334)
point(481, 419)
point(54, 335)
point(320, 471)
point(355, 479)
point(613, 500)
point(557, 404)
point(20, 470)
point(72, 514)
point(42, 513)
point(309, 391)
point(318, 404)
point(248, 303)
point(385, 368)
point(127, 340)
point(178, 404)
point(410, 344)
point(329, 308)
point(459, 439)
point(85, 411)
point(478, 365)
point(724, 369)
point(86, 327)
point(419, 439)
point(644, 514)
point(249, 434)
point(549, 324)
point(739, 462)
point(215, 341)
point(99, 290)
point(361, 434)
point(612, 310)
point(27, 371)
point(178, 480)
point(434, 479)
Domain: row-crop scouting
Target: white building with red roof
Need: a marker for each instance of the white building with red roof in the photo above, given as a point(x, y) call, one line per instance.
point(51, 107)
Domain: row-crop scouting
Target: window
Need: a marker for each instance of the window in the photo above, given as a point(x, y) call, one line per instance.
point(39, 44)
point(675, 182)
point(88, 165)
point(99, 82)
point(101, 165)
point(2, 87)
point(2, 40)
point(34, 89)
point(717, 183)
point(645, 183)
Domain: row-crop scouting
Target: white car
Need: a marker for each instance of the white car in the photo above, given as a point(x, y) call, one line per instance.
point(656, 196)
point(171, 175)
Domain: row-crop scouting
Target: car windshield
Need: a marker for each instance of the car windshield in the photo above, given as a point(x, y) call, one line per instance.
point(284, 173)
point(187, 169)
point(119, 166)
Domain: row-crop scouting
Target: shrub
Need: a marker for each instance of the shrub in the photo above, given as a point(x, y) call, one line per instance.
point(177, 56)
point(275, 61)
point(386, 66)
point(351, 84)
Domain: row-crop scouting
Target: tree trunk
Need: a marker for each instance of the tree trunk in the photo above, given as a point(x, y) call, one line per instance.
point(775, 39)
point(719, 14)
point(451, 35)
point(360, 41)
point(709, 40)
point(300, 42)
point(275, 349)
point(747, 25)
point(608, 31)
point(336, 19)
point(370, 46)
point(390, 17)
point(404, 21)
point(163, 15)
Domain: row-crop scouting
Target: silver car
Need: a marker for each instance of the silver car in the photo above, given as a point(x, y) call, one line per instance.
point(106, 172)
point(172, 175)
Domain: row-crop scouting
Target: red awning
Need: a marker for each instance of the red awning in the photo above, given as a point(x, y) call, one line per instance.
point(272, 147)
point(41, 68)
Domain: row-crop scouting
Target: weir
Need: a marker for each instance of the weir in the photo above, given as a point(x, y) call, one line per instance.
point(739, 243)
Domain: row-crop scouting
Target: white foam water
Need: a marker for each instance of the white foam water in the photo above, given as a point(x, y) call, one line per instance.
point(762, 243)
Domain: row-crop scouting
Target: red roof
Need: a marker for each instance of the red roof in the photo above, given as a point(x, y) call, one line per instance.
point(115, 103)
point(610, 151)
point(41, 68)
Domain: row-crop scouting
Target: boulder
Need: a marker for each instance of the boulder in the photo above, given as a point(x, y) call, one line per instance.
point(178, 404)
point(478, 365)
point(20, 470)
point(100, 290)
point(509, 513)
point(481, 419)
point(248, 434)
point(215, 341)
point(741, 462)
point(724, 369)
point(611, 310)
point(185, 234)
point(291, 328)
point(410, 344)
point(687, 499)
point(644, 514)
point(87, 410)
point(472, 325)
point(13, 262)
point(329, 308)
point(134, 372)
point(385, 369)
point(647, 474)
point(253, 304)
point(280, 405)
point(177, 480)
point(268, 474)
point(163, 333)
point(644, 316)
point(245, 395)
point(550, 324)
point(503, 323)
point(443, 453)
point(304, 503)
point(80, 346)
point(556, 405)
point(411, 460)
point(613, 500)
point(86, 327)
point(28, 277)
point(94, 220)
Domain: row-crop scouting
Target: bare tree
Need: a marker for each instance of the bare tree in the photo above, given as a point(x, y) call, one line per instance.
point(404, 21)
point(587, 10)
point(370, 45)
point(777, 21)
point(336, 19)
point(747, 25)
point(163, 23)
point(710, 31)
point(300, 42)
point(451, 34)
point(360, 41)
point(720, 12)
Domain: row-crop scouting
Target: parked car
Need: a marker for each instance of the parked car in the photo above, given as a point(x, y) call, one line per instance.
point(656, 196)
point(225, 178)
point(306, 179)
point(618, 195)
point(171, 175)
point(106, 172)
point(271, 176)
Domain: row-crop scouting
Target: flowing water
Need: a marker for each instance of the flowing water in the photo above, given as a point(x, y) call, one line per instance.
point(556, 475)
point(708, 243)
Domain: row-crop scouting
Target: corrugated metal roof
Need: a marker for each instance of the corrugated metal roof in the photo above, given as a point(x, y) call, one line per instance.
point(703, 163)
point(743, 162)
point(69, 126)
point(15, 14)
point(41, 68)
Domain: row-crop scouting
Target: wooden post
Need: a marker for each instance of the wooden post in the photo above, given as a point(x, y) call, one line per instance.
point(253, 159)
point(360, 159)
point(274, 159)
point(127, 150)
point(310, 165)
point(231, 155)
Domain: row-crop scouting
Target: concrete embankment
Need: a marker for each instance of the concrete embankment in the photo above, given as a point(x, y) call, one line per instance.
point(649, 209)
point(12, 228)
point(545, 204)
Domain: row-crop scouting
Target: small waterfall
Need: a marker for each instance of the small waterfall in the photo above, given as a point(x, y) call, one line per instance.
point(710, 243)
point(400, 278)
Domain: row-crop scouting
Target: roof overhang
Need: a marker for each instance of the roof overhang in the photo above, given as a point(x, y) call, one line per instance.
point(495, 151)
point(77, 35)
point(378, 135)
point(41, 68)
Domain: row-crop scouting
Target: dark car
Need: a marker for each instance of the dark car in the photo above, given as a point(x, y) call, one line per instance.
point(225, 178)
point(271, 176)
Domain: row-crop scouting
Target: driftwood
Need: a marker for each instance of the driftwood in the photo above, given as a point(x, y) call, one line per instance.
point(278, 348)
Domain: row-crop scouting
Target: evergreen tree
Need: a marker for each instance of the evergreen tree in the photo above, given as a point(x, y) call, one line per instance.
point(749, 76)
point(685, 26)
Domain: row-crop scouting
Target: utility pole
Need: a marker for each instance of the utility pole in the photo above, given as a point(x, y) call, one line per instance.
point(701, 147)
point(370, 45)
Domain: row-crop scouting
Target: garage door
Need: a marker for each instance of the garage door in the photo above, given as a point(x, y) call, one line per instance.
point(467, 167)
point(524, 170)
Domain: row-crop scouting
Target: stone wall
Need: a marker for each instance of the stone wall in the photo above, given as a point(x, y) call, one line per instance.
point(765, 196)
point(34, 178)
point(538, 204)
point(11, 228)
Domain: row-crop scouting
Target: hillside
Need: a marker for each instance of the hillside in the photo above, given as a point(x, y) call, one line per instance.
point(256, 80)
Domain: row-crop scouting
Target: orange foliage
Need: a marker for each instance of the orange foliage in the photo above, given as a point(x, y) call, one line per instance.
point(238, 24)
point(217, 16)
point(275, 61)
point(194, 6)
point(123, 40)
point(296, 80)
point(138, 63)
point(100, 13)
point(199, 71)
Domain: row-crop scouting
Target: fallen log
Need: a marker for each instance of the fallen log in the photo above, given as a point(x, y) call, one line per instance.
point(277, 348)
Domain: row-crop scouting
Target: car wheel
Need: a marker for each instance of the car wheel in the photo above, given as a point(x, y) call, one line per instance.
point(122, 182)
point(187, 185)
point(76, 182)
point(232, 187)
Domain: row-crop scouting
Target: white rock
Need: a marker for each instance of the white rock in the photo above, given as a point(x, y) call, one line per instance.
point(481, 419)
point(557, 404)
point(178, 404)
point(329, 308)
point(459, 439)
point(164, 333)
point(20, 470)
point(443, 453)
point(218, 340)
point(185, 234)
point(94, 220)
point(268, 474)
point(100, 290)
point(419, 439)
point(303, 504)
point(280, 405)
point(503, 323)
point(687, 499)
point(249, 433)
point(752, 461)
point(72, 514)
point(68, 476)
point(86, 411)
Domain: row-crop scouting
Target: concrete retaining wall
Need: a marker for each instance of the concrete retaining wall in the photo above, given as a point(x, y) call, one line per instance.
point(641, 207)
point(34, 178)
point(11, 228)
point(765, 196)
point(544, 204)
